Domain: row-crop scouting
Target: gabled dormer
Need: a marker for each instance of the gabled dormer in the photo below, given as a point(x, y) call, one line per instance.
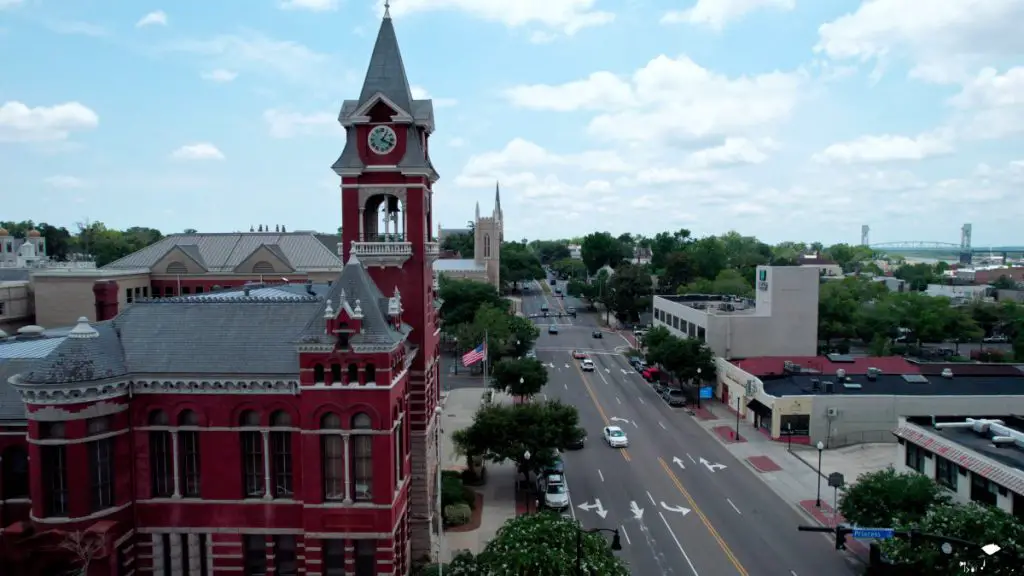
point(180, 259)
point(345, 322)
point(395, 309)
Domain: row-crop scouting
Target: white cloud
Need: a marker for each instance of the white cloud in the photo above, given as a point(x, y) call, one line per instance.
point(259, 54)
point(65, 182)
point(670, 100)
point(19, 123)
point(565, 16)
point(944, 39)
point(992, 104)
point(887, 148)
point(420, 93)
point(10, 3)
point(220, 75)
point(717, 13)
point(199, 151)
point(285, 124)
point(732, 152)
point(77, 29)
point(519, 158)
point(310, 5)
point(157, 18)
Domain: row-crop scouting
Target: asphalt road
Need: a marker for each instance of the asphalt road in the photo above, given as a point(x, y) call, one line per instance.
point(683, 504)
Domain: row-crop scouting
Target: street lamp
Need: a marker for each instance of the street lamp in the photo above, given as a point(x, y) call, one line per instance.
point(700, 385)
point(616, 544)
point(817, 501)
point(440, 519)
point(526, 473)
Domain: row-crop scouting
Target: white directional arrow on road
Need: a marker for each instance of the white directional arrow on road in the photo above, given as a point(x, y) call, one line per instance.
point(617, 419)
point(712, 466)
point(678, 462)
point(607, 371)
point(624, 371)
point(566, 365)
point(638, 512)
point(551, 365)
point(680, 509)
point(596, 507)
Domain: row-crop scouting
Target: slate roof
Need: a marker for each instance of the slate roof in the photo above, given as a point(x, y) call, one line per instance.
point(225, 252)
point(11, 406)
point(87, 354)
point(355, 285)
point(386, 72)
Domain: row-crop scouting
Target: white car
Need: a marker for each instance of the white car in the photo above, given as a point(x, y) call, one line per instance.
point(587, 365)
point(556, 495)
point(615, 437)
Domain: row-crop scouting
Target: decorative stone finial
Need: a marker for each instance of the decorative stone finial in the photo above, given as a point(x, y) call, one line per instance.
point(329, 310)
point(83, 329)
point(358, 311)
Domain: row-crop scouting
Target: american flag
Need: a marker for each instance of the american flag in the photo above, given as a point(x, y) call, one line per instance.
point(475, 355)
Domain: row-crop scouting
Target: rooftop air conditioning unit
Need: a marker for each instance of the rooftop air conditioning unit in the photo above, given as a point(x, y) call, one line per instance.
point(830, 387)
point(841, 374)
point(947, 373)
point(873, 373)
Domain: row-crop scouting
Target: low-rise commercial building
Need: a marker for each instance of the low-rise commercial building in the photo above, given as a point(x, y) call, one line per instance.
point(841, 400)
point(977, 459)
point(781, 320)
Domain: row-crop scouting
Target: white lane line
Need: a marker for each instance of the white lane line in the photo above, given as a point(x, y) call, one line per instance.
point(662, 424)
point(601, 475)
point(691, 458)
point(793, 572)
point(617, 400)
point(641, 400)
point(565, 385)
point(734, 507)
point(678, 545)
point(572, 509)
point(626, 536)
point(651, 498)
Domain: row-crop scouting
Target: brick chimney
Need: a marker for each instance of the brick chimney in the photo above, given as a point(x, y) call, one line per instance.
point(105, 292)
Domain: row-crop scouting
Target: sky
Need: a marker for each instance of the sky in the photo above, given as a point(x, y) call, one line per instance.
point(784, 119)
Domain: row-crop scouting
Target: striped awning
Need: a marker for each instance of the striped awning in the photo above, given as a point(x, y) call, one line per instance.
point(980, 465)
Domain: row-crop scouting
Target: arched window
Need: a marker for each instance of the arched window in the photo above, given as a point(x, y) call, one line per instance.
point(281, 454)
point(371, 373)
point(318, 373)
point(336, 374)
point(487, 245)
point(188, 453)
point(15, 473)
point(177, 268)
point(263, 267)
point(160, 456)
point(362, 458)
point(353, 374)
point(332, 456)
point(101, 463)
point(252, 455)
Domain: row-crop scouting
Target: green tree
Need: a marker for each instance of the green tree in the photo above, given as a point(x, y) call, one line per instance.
point(917, 276)
point(1004, 282)
point(519, 264)
point(550, 251)
point(709, 257)
point(462, 244)
point(522, 335)
point(545, 544)
point(629, 292)
point(665, 244)
point(601, 248)
point(570, 268)
point(838, 309)
point(492, 323)
point(980, 525)
point(728, 282)
point(677, 271)
point(462, 298)
point(503, 432)
point(887, 498)
point(519, 376)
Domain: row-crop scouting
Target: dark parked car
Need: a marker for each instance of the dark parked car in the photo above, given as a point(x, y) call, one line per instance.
point(597, 334)
point(577, 445)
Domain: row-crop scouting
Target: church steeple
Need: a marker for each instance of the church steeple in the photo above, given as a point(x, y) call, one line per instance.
point(386, 73)
point(497, 200)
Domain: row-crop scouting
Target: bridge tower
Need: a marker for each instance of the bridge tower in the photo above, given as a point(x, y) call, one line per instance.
point(865, 235)
point(965, 244)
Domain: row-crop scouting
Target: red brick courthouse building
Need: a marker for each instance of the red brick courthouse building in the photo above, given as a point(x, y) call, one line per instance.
point(285, 429)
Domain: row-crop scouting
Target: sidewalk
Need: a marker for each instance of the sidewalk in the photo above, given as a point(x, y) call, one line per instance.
point(793, 475)
point(499, 490)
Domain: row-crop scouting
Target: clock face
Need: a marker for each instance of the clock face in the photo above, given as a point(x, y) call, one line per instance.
point(382, 139)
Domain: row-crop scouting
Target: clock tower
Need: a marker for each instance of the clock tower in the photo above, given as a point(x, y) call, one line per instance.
point(387, 225)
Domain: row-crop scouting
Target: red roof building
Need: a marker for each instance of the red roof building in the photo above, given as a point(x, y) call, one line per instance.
point(285, 429)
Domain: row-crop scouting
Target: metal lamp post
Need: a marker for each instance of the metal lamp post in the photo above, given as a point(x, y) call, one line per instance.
point(817, 501)
point(440, 518)
point(616, 544)
point(737, 438)
point(526, 472)
point(700, 386)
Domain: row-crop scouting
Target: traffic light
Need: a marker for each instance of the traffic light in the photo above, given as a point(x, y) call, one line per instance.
point(841, 534)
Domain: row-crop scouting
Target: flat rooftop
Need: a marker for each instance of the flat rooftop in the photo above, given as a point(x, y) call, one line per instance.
point(714, 303)
point(892, 385)
point(1011, 455)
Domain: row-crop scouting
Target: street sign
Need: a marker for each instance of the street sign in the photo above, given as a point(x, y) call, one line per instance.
point(836, 480)
point(876, 533)
point(706, 392)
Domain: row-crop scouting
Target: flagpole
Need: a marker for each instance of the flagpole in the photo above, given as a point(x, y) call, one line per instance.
point(486, 353)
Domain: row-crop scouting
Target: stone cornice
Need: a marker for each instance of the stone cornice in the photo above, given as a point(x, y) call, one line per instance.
point(215, 386)
point(70, 393)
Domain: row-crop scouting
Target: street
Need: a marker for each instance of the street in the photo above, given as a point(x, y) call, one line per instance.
point(683, 504)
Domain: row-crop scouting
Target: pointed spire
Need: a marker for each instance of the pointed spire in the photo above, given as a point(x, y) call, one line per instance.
point(329, 310)
point(352, 259)
point(387, 9)
point(386, 72)
point(497, 199)
point(477, 209)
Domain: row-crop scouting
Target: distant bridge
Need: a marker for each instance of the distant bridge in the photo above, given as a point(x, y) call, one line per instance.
point(941, 247)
